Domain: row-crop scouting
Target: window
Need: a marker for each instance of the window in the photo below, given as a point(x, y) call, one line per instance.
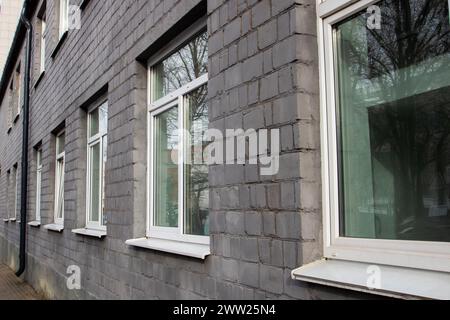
point(63, 17)
point(18, 91)
point(38, 183)
point(43, 35)
point(15, 102)
point(59, 179)
point(8, 195)
point(11, 104)
point(386, 131)
point(96, 162)
point(13, 185)
point(178, 190)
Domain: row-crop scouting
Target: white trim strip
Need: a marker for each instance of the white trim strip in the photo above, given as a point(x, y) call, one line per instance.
point(329, 7)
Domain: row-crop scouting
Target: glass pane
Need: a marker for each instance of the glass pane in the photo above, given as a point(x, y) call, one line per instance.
point(182, 67)
point(165, 170)
point(105, 157)
point(394, 120)
point(103, 118)
point(42, 57)
point(196, 172)
point(38, 194)
point(64, 16)
point(38, 158)
point(16, 173)
point(60, 190)
point(93, 122)
point(60, 143)
point(94, 177)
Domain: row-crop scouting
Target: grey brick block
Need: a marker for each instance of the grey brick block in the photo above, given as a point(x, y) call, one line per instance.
point(249, 274)
point(232, 31)
point(253, 223)
point(260, 13)
point(288, 225)
point(235, 223)
point(269, 86)
point(249, 249)
point(269, 223)
point(271, 279)
point(267, 34)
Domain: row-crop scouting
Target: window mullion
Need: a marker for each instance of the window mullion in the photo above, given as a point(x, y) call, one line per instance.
point(89, 183)
point(100, 183)
point(181, 165)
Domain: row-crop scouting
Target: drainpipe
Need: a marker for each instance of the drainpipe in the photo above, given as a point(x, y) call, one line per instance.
point(26, 108)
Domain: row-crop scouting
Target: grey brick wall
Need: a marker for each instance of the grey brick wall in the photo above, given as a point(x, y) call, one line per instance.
point(263, 74)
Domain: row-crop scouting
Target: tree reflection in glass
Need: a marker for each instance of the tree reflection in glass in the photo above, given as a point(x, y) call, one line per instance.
point(182, 67)
point(394, 122)
point(196, 171)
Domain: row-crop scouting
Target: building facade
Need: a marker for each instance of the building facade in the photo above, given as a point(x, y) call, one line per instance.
point(122, 93)
point(9, 16)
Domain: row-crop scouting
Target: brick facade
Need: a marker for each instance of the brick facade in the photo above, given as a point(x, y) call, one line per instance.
point(263, 73)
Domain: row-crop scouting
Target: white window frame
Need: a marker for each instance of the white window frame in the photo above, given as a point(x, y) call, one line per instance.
point(38, 183)
point(63, 17)
point(8, 194)
point(175, 98)
point(16, 185)
point(42, 44)
point(91, 142)
point(413, 254)
point(19, 85)
point(58, 180)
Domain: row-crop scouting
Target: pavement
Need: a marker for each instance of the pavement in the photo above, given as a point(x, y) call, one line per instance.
point(13, 288)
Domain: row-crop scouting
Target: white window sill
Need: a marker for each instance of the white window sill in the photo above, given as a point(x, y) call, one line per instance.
point(54, 227)
point(194, 250)
point(13, 220)
point(395, 282)
point(90, 233)
point(6, 220)
point(35, 224)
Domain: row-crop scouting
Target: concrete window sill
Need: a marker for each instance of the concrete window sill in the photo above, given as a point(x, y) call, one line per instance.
point(34, 224)
point(397, 282)
point(194, 250)
point(90, 233)
point(54, 227)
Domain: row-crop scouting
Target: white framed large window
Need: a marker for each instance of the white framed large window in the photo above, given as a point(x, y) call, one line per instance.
point(59, 178)
point(177, 118)
point(385, 90)
point(96, 161)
